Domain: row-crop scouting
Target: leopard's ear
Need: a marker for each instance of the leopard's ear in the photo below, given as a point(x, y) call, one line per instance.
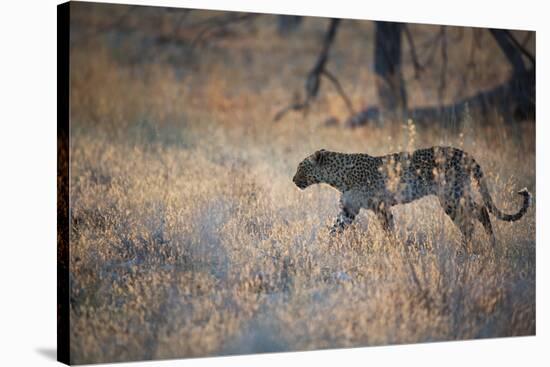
point(319, 156)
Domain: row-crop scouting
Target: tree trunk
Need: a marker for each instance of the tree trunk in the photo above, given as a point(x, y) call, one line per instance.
point(392, 96)
point(514, 99)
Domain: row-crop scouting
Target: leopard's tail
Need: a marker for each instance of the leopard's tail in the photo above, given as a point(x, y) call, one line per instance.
point(478, 175)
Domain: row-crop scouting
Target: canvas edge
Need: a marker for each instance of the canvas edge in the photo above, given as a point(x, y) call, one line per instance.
point(63, 322)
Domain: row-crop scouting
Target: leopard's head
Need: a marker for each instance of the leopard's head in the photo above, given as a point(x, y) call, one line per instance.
point(309, 170)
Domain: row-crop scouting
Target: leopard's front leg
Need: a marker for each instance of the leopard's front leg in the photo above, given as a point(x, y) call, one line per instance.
point(347, 214)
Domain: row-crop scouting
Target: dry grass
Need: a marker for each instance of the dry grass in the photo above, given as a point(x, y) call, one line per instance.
point(188, 237)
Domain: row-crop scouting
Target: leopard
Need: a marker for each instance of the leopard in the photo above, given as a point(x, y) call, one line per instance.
point(377, 183)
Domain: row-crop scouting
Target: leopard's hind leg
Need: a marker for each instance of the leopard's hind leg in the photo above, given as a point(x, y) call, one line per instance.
point(460, 207)
point(385, 216)
point(485, 220)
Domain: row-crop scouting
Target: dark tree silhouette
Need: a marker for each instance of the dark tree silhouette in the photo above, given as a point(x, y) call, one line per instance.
point(514, 99)
point(392, 95)
point(313, 80)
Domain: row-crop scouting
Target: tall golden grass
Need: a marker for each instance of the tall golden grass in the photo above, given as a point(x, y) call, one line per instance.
point(188, 237)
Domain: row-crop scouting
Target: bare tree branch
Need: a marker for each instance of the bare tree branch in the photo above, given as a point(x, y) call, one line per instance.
point(217, 24)
point(432, 44)
point(521, 47)
point(417, 66)
point(313, 80)
point(296, 106)
point(509, 49)
point(340, 90)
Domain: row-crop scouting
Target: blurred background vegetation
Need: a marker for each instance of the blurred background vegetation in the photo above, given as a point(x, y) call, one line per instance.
point(426, 72)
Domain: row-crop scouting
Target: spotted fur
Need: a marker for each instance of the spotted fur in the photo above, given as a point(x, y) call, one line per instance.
point(378, 183)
